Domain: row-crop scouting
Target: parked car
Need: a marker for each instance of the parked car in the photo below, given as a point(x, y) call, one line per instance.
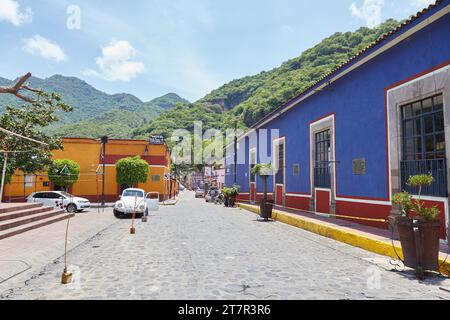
point(199, 193)
point(59, 200)
point(131, 201)
point(182, 188)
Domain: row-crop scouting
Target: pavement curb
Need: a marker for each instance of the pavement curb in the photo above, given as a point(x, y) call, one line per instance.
point(342, 234)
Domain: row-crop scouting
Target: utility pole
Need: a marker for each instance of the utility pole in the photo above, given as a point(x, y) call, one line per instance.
point(5, 160)
point(5, 152)
point(104, 142)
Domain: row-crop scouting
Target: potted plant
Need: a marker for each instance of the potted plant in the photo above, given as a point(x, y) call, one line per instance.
point(266, 206)
point(418, 227)
point(231, 195)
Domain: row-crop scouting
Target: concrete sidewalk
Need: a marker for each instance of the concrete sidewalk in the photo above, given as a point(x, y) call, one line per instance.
point(26, 254)
point(368, 238)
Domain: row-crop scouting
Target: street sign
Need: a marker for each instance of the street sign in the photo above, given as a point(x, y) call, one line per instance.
point(157, 139)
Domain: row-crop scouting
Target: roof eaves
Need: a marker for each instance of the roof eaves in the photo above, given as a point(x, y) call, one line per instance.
point(342, 66)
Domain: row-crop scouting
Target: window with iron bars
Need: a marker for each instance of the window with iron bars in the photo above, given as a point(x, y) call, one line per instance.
point(423, 144)
point(322, 172)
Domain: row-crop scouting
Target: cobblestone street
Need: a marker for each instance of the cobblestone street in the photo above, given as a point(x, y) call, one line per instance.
point(196, 250)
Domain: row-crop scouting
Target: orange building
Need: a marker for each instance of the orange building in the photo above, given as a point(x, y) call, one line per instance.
point(88, 154)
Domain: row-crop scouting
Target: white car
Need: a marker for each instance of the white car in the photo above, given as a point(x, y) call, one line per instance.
point(131, 201)
point(60, 200)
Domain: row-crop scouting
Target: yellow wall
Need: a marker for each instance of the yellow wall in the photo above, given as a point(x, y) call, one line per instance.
point(87, 153)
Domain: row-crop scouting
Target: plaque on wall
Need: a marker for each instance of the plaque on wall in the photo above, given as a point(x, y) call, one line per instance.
point(359, 167)
point(296, 170)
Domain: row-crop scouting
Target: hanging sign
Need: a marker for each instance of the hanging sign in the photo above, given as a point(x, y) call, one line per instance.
point(157, 139)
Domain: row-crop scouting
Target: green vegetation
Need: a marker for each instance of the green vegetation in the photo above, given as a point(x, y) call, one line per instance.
point(9, 170)
point(264, 171)
point(131, 171)
point(182, 116)
point(411, 207)
point(249, 99)
point(95, 113)
point(245, 101)
point(30, 120)
point(64, 173)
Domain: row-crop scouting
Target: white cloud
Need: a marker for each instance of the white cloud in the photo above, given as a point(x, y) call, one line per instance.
point(115, 64)
point(39, 45)
point(369, 11)
point(422, 3)
point(10, 12)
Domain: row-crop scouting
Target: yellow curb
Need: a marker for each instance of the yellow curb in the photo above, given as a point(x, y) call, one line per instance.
point(342, 234)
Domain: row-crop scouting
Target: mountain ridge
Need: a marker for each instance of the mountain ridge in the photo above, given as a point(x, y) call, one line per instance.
point(249, 99)
point(95, 112)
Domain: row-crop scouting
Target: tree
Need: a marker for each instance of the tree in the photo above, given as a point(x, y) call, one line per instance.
point(29, 120)
point(264, 171)
point(130, 171)
point(64, 173)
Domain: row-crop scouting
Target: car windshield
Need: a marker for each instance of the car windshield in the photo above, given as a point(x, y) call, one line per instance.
point(133, 193)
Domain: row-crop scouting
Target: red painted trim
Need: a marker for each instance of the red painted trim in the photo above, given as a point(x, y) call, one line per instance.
point(324, 117)
point(151, 160)
point(300, 193)
point(335, 155)
point(388, 164)
point(439, 66)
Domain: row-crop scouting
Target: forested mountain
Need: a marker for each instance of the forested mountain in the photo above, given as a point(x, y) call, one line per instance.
point(120, 122)
point(245, 100)
point(251, 98)
point(95, 112)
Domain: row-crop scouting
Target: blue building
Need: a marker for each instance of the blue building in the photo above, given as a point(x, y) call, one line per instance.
point(347, 144)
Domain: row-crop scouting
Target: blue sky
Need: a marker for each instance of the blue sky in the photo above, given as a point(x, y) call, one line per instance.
point(152, 47)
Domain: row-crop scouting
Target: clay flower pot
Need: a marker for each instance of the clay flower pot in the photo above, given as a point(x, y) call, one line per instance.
point(266, 209)
point(420, 243)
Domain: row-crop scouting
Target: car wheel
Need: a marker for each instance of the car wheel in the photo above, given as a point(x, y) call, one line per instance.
point(72, 208)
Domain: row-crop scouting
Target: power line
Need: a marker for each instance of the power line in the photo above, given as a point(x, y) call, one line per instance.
point(22, 137)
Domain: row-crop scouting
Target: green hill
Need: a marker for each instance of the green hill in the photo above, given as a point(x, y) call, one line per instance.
point(250, 98)
point(95, 112)
point(119, 122)
point(246, 100)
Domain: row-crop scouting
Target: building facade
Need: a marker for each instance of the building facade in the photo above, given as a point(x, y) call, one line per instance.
point(347, 144)
point(88, 154)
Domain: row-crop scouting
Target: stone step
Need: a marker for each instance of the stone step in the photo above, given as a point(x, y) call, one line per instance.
point(11, 207)
point(34, 225)
point(28, 219)
point(23, 213)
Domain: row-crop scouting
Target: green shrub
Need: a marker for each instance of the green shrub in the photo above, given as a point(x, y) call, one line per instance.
point(64, 172)
point(130, 171)
point(410, 206)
